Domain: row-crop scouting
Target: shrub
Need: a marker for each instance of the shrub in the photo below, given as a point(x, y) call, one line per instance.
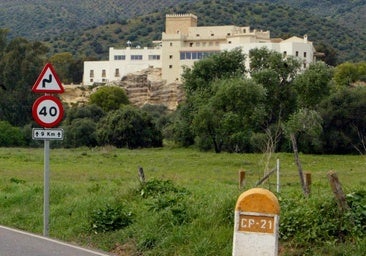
point(128, 127)
point(167, 200)
point(315, 221)
point(155, 187)
point(10, 136)
point(109, 218)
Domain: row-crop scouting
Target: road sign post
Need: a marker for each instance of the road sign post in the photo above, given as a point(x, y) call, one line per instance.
point(48, 112)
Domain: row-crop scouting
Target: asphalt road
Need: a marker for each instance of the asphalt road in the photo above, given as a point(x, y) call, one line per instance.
point(18, 243)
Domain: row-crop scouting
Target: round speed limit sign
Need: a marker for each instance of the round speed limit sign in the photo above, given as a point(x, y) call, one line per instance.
point(47, 111)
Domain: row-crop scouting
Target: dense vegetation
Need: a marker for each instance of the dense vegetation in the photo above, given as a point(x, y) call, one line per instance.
point(224, 110)
point(105, 24)
point(41, 19)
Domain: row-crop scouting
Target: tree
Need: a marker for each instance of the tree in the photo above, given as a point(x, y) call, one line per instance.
point(222, 65)
point(109, 98)
point(80, 125)
point(307, 121)
point(346, 74)
point(198, 83)
point(62, 62)
point(81, 132)
point(76, 71)
point(276, 74)
point(20, 64)
point(236, 109)
point(329, 54)
point(128, 127)
point(344, 118)
point(90, 111)
point(313, 85)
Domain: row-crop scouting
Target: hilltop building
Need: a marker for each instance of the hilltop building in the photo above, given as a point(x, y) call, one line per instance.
point(183, 43)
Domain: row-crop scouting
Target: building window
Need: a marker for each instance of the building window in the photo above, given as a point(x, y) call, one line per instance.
point(297, 53)
point(304, 65)
point(91, 80)
point(136, 57)
point(91, 73)
point(197, 35)
point(170, 56)
point(103, 73)
point(171, 44)
point(119, 57)
point(190, 44)
point(170, 66)
point(116, 73)
point(212, 34)
point(228, 34)
point(195, 55)
point(154, 57)
point(304, 54)
point(284, 54)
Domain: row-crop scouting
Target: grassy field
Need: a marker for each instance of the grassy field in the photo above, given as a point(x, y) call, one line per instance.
point(194, 218)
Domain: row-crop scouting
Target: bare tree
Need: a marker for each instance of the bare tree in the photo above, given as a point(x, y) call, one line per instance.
point(306, 121)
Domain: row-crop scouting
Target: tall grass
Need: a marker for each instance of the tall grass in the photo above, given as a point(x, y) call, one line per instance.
point(194, 216)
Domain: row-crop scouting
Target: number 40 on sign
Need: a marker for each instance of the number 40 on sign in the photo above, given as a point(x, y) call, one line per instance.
point(47, 111)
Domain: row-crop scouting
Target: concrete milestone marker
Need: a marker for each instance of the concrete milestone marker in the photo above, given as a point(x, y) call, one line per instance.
point(256, 224)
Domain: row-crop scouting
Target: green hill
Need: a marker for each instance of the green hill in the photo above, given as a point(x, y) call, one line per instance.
point(88, 28)
point(281, 20)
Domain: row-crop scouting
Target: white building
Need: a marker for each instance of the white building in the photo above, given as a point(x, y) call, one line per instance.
point(183, 43)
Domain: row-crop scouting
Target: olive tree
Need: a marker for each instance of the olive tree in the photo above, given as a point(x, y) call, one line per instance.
point(198, 86)
point(230, 116)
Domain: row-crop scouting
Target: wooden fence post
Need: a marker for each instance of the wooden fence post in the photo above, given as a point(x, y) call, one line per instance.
point(337, 191)
point(241, 179)
point(141, 175)
point(308, 182)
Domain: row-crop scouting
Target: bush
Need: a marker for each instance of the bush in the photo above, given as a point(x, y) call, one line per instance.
point(10, 136)
point(155, 187)
point(109, 98)
point(167, 200)
point(109, 218)
point(315, 221)
point(128, 127)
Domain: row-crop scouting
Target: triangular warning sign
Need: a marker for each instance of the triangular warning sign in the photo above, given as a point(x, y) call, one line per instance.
point(48, 81)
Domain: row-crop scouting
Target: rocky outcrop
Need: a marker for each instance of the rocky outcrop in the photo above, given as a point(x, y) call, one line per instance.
point(147, 87)
point(143, 87)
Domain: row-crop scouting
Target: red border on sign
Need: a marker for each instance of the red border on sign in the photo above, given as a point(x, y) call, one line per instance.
point(40, 78)
point(35, 114)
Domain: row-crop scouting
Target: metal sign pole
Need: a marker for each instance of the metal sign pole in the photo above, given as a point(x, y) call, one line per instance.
point(47, 111)
point(46, 189)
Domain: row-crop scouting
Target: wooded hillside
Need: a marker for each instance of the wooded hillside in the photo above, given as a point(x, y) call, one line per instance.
point(88, 28)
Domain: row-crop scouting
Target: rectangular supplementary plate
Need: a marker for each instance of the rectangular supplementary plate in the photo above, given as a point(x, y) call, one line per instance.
point(47, 134)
